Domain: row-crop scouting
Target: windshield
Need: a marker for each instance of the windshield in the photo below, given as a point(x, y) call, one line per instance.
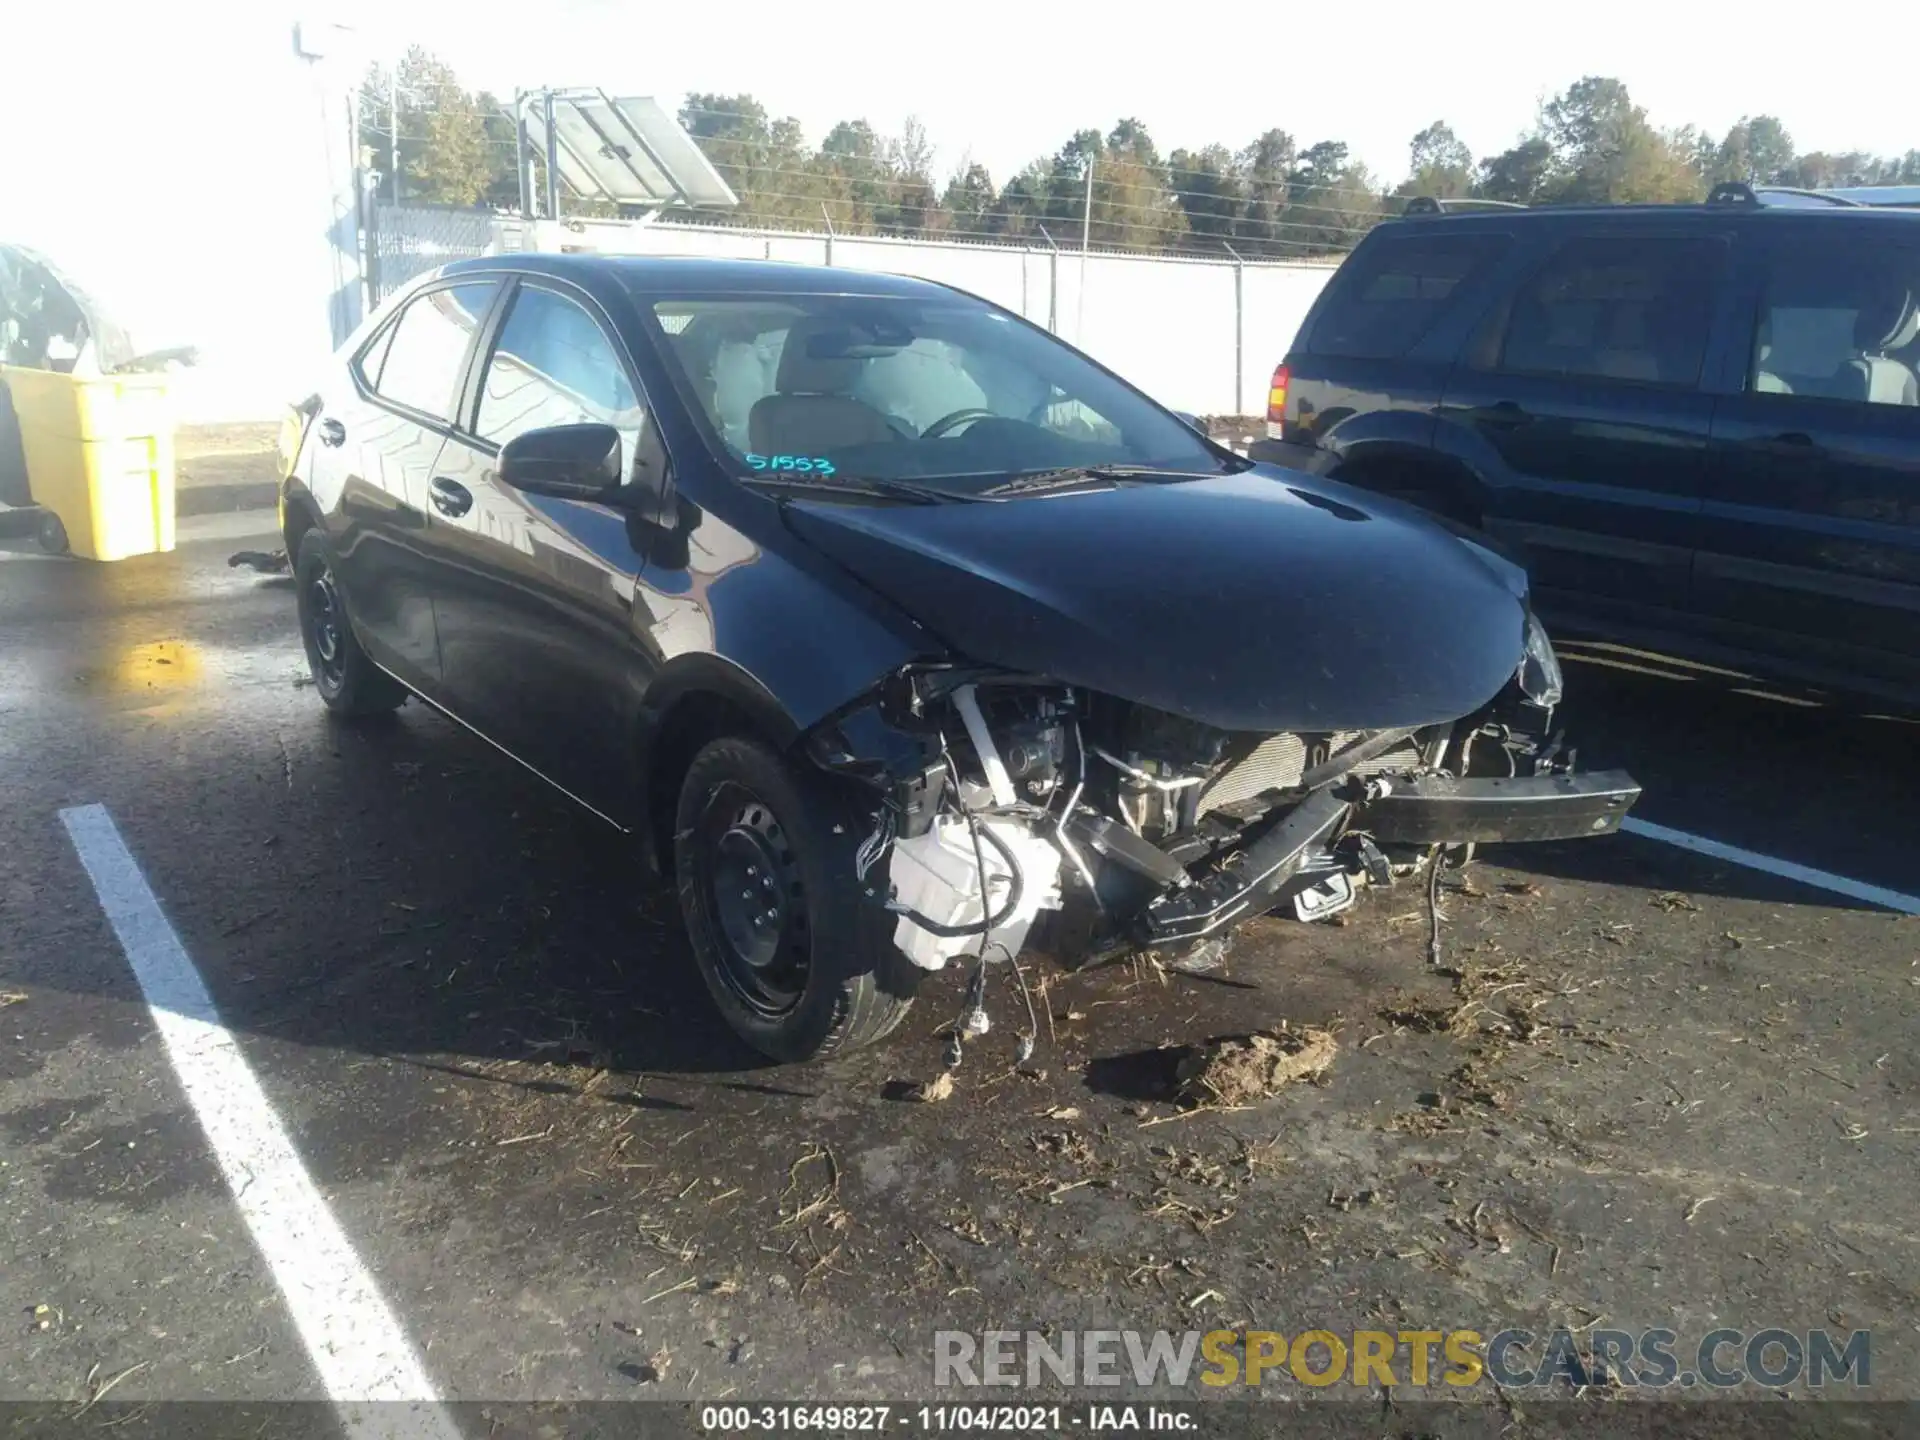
point(898, 388)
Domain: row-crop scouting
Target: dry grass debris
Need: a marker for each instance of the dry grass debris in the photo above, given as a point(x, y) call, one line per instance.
point(1244, 1069)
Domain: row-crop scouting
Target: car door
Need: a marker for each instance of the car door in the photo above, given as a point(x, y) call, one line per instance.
point(373, 456)
point(1812, 543)
point(1580, 406)
point(533, 595)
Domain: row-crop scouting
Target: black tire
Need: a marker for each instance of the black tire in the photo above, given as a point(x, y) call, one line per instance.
point(815, 973)
point(51, 533)
point(350, 684)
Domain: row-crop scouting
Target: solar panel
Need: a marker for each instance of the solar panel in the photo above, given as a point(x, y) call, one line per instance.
point(628, 151)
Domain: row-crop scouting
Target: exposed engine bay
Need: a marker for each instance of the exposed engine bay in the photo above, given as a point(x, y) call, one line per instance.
point(1087, 827)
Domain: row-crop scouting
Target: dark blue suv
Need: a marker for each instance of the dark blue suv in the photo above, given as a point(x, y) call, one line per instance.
point(1699, 426)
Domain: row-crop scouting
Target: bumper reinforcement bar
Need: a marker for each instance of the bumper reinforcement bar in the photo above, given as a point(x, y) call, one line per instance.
point(1439, 810)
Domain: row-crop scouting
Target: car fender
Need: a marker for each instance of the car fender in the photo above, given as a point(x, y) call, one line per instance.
point(299, 512)
point(772, 647)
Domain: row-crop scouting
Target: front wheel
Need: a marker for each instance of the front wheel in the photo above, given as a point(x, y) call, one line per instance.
point(350, 684)
point(799, 965)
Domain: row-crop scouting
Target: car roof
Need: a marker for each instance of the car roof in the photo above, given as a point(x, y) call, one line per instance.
point(703, 275)
point(1762, 214)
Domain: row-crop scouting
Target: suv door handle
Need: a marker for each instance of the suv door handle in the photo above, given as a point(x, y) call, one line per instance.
point(332, 432)
point(1505, 415)
point(450, 497)
point(1795, 443)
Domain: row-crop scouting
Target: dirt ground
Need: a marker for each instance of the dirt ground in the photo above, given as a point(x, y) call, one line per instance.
point(1644, 1089)
point(230, 454)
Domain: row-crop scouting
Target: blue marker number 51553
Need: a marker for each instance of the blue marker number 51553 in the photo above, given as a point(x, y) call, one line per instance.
point(794, 464)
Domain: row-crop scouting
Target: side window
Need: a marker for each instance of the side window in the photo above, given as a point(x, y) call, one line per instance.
point(420, 365)
point(1617, 308)
point(1391, 292)
point(553, 365)
point(1840, 325)
point(375, 355)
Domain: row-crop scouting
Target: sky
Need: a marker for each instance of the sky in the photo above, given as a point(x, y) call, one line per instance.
point(1004, 81)
point(184, 163)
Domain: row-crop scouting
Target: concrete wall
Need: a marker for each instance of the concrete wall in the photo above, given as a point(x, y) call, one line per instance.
point(193, 172)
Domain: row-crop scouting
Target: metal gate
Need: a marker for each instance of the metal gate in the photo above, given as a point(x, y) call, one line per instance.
point(406, 240)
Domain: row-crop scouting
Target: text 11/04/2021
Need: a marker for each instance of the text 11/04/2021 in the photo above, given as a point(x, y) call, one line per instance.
point(948, 1419)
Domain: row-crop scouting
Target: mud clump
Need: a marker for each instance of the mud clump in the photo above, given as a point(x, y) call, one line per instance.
point(1245, 1069)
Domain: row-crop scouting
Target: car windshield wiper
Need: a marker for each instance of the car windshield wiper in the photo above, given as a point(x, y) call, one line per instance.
point(879, 488)
point(1078, 474)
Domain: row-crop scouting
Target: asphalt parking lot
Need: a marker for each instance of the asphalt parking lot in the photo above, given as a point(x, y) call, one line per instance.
point(1650, 1086)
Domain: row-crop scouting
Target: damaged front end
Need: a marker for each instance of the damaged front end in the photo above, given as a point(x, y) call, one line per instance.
point(1019, 813)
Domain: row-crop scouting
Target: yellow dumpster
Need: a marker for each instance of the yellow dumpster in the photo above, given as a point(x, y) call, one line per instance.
point(99, 458)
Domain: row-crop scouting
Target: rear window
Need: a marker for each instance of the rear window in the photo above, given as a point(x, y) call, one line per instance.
point(1389, 295)
point(420, 364)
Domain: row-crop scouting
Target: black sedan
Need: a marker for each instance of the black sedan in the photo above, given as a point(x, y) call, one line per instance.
point(899, 632)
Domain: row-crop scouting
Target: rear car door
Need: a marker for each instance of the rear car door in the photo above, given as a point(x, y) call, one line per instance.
point(1360, 386)
point(534, 595)
point(1812, 543)
point(1580, 407)
point(373, 455)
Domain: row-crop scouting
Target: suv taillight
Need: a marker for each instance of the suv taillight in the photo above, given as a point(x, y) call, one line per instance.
point(1277, 401)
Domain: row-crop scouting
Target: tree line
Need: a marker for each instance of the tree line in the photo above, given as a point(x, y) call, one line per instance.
point(1271, 198)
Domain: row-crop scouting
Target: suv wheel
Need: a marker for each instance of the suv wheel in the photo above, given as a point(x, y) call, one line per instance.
point(800, 967)
point(351, 685)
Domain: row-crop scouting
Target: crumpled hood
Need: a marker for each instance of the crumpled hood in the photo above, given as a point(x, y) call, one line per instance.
point(1259, 601)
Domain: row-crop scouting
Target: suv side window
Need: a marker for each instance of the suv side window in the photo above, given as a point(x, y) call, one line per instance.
point(1840, 324)
point(1391, 293)
point(1617, 308)
point(553, 365)
point(419, 367)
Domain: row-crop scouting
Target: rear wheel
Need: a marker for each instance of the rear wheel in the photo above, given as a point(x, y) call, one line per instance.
point(800, 967)
point(51, 533)
point(349, 683)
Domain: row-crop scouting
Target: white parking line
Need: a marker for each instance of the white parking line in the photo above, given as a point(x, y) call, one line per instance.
point(363, 1356)
point(1786, 869)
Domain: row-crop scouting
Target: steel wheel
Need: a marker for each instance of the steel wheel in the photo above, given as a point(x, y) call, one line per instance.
point(324, 625)
point(751, 888)
point(349, 683)
point(797, 960)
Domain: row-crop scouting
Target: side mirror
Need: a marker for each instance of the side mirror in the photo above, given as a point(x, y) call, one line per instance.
point(569, 462)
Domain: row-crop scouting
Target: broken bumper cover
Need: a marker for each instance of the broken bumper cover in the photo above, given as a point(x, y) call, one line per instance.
point(1431, 810)
point(1439, 810)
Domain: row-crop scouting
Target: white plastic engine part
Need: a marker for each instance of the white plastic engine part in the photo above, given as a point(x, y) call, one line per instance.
point(936, 875)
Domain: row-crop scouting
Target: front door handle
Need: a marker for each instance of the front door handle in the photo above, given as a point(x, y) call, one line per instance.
point(450, 497)
point(1792, 443)
point(332, 432)
point(1506, 415)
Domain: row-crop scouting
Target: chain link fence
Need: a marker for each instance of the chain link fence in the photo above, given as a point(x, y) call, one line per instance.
point(408, 239)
